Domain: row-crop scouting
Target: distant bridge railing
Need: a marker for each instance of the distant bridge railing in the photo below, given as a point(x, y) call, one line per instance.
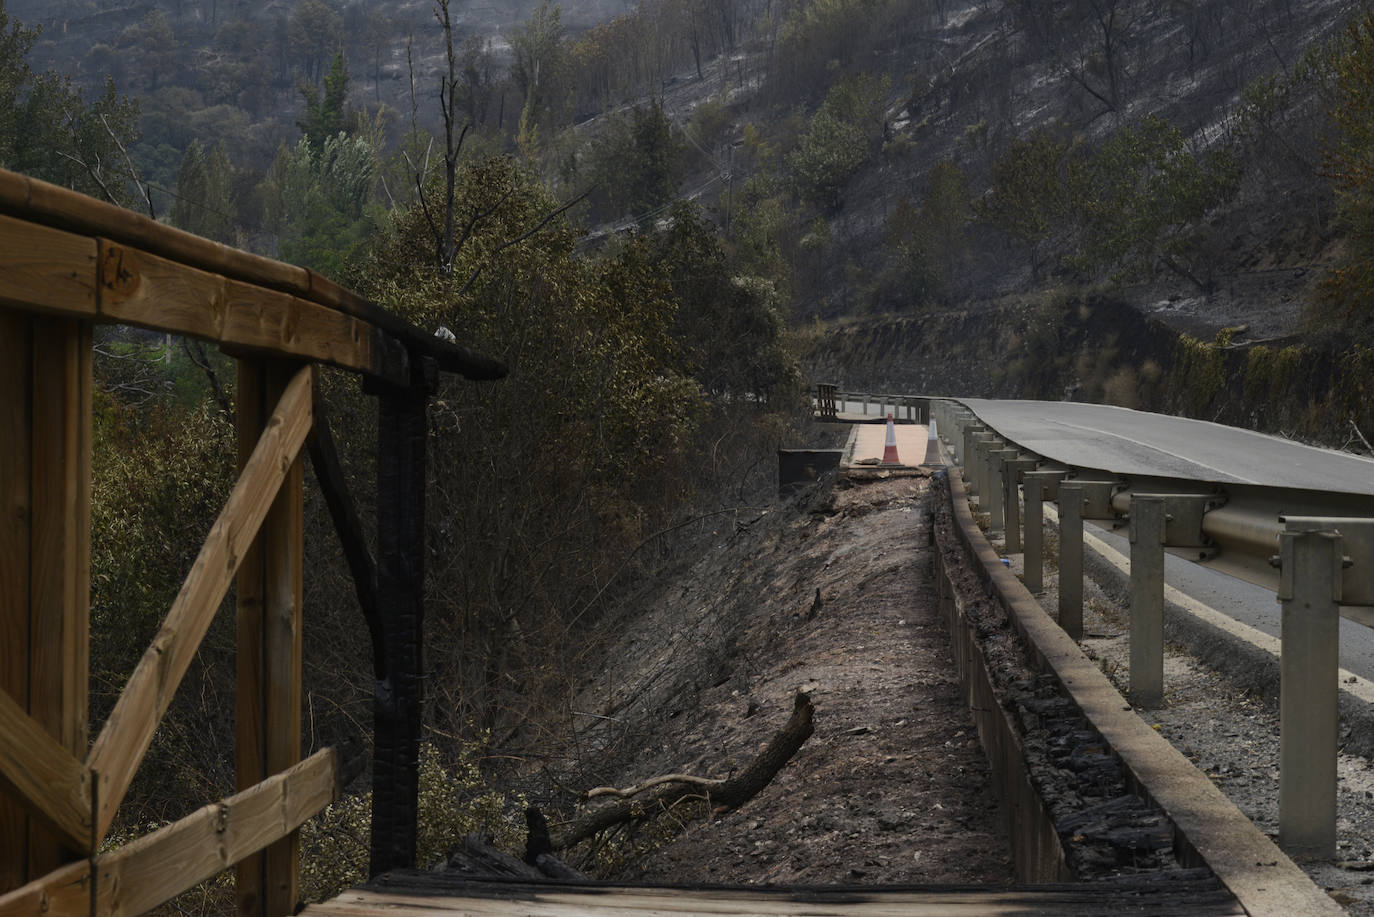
point(67, 263)
point(833, 405)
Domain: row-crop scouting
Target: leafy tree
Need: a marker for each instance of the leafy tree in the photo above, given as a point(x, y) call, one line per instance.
point(1347, 288)
point(325, 114)
point(730, 327)
point(1028, 198)
point(840, 137)
point(48, 131)
point(316, 200)
point(153, 48)
point(314, 35)
point(636, 164)
point(537, 68)
point(1141, 199)
point(204, 203)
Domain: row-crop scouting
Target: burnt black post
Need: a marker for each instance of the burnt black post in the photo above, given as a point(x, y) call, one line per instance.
point(398, 702)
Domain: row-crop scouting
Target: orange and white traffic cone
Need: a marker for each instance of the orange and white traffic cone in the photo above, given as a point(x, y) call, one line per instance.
point(932, 446)
point(890, 446)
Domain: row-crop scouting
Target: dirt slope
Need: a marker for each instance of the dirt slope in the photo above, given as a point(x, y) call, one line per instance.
point(892, 787)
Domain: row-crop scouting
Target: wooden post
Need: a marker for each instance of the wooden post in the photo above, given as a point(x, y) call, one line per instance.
point(399, 696)
point(45, 473)
point(268, 699)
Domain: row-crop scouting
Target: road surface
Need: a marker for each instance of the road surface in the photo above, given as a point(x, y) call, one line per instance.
point(1157, 445)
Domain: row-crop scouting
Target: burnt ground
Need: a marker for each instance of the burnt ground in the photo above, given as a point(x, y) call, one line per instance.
point(893, 786)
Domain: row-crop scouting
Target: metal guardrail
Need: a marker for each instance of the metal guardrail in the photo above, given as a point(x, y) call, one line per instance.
point(1314, 549)
point(834, 405)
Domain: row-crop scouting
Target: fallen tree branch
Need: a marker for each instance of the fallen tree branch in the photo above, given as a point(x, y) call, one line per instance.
point(730, 793)
point(650, 784)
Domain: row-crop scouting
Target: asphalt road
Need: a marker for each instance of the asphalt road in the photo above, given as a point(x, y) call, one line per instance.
point(1156, 445)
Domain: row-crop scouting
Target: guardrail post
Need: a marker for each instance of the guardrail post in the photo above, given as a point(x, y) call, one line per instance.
point(997, 473)
point(1013, 471)
point(1147, 600)
point(967, 453)
point(1310, 591)
point(1071, 559)
point(1033, 561)
point(1011, 507)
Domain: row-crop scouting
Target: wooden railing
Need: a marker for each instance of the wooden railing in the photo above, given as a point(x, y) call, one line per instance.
point(66, 263)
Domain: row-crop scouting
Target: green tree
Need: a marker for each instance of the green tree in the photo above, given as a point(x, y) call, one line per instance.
point(325, 113)
point(636, 164)
point(314, 35)
point(1349, 285)
point(204, 201)
point(840, 138)
point(1028, 199)
point(48, 131)
point(730, 326)
point(538, 65)
point(317, 200)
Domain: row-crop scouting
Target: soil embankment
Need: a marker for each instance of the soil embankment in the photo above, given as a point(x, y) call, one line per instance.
point(837, 601)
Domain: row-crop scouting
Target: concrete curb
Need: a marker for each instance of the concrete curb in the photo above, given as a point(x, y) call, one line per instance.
point(1261, 876)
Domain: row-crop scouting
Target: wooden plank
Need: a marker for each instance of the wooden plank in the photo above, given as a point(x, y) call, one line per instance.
point(130, 727)
point(59, 596)
point(41, 202)
point(494, 900)
point(283, 547)
point(41, 772)
point(65, 892)
point(16, 454)
point(250, 762)
point(46, 269)
point(139, 288)
point(153, 869)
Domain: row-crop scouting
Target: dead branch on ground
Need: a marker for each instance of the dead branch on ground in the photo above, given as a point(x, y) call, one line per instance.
point(730, 793)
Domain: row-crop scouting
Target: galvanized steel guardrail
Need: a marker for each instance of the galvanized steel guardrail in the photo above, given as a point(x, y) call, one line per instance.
point(1314, 549)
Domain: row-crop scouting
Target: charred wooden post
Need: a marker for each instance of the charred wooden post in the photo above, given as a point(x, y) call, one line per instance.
point(401, 431)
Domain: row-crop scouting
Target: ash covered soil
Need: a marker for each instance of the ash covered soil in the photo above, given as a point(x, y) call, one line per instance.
point(834, 597)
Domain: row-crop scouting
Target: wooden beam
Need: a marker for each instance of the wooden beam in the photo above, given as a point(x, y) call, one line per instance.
point(65, 892)
point(250, 761)
point(348, 524)
point(139, 288)
point(59, 585)
point(153, 869)
point(46, 269)
point(268, 700)
point(128, 731)
point(283, 541)
point(16, 456)
point(43, 774)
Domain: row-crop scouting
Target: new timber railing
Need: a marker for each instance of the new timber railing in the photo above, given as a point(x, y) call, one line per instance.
point(67, 263)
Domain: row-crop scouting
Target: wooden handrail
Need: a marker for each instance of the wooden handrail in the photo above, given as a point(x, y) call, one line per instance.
point(123, 741)
point(395, 340)
point(68, 262)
